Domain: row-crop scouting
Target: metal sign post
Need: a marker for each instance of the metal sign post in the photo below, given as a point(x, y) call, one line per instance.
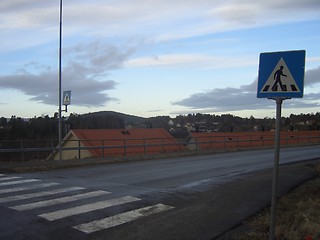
point(281, 76)
point(275, 167)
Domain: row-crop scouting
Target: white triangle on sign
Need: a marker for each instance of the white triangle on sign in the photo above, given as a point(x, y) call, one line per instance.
point(66, 98)
point(286, 83)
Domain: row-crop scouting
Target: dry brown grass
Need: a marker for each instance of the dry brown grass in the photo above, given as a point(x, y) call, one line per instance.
point(298, 216)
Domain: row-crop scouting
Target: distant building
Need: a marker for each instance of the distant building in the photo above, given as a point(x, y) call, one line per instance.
point(171, 123)
point(117, 142)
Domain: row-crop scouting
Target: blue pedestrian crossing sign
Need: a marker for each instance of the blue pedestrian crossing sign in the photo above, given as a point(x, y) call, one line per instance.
point(66, 97)
point(281, 74)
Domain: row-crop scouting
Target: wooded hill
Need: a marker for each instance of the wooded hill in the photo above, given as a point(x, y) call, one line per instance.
point(46, 128)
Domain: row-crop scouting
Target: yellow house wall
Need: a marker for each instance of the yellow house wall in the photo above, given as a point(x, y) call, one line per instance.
point(192, 145)
point(72, 154)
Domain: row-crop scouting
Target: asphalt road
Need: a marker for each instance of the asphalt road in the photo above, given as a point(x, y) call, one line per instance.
point(198, 197)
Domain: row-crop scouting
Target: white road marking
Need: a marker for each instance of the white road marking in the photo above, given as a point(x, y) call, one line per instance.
point(57, 201)
point(8, 178)
point(51, 216)
point(122, 218)
point(38, 194)
point(19, 182)
point(18, 189)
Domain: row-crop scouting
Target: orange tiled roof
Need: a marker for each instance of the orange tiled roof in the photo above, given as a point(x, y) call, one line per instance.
point(127, 141)
point(250, 139)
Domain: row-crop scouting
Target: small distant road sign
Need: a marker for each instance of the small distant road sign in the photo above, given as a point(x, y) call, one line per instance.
point(67, 97)
point(281, 74)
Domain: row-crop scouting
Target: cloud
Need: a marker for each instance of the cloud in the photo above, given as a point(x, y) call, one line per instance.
point(21, 14)
point(228, 15)
point(155, 110)
point(312, 76)
point(227, 99)
point(85, 73)
point(244, 97)
point(96, 58)
point(257, 12)
point(158, 19)
point(187, 60)
point(43, 88)
point(19, 5)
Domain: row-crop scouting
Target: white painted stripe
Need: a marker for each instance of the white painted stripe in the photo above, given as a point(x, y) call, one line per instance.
point(57, 201)
point(122, 218)
point(8, 178)
point(51, 216)
point(18, 189)
point(38, 194)
point(19, 182)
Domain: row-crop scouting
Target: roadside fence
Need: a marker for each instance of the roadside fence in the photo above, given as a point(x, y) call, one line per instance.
point(25, 150)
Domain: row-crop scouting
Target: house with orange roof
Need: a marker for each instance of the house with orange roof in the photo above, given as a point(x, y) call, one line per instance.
point(93, 143)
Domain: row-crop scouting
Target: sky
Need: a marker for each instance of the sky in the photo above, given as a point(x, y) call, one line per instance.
point(153, 57)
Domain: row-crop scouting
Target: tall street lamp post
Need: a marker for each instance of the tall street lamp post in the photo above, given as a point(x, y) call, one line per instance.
point(60, 63)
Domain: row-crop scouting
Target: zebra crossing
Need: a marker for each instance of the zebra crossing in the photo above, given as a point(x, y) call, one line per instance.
point(57, 201)
point(53, 202)
point(283, 88)
point(121, 218)
point(38, 194)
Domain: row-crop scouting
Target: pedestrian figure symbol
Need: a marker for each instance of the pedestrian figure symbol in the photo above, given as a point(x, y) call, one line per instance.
point(66, 97)
point(280, 80)
point(277, 77)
